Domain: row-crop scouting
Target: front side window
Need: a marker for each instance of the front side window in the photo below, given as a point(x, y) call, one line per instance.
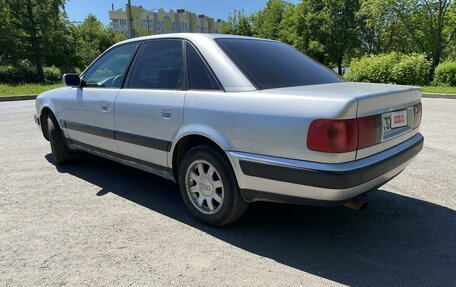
point(109, 71)
point(159, 66)
point(199, 76)
point(271, 64)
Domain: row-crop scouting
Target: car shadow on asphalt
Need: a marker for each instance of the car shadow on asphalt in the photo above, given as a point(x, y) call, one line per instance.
point(396, 240)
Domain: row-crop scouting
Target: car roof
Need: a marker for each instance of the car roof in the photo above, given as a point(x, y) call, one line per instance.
point(231, 78)
point(189, 36)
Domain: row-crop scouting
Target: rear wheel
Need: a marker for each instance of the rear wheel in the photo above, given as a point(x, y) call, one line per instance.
point(60, 151)
point(208, 187)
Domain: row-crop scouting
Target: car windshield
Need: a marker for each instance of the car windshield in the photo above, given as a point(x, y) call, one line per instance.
point(271, 64)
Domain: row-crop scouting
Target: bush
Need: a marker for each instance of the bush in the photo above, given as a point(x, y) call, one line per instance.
point(445, 74)
point(375, 69)
point(24, 72)
point(412, 70)
point(391, 68)
point(52, 74)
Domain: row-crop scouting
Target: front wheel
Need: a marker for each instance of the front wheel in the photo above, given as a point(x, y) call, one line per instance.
point(60, 151)
point(208, 187)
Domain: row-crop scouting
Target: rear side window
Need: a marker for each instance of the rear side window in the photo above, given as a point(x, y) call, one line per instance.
point(269, 64)
point(199, 75)
point(159, 66)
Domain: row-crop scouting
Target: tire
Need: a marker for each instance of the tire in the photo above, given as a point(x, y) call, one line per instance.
point(209, 188)
point(60, 151)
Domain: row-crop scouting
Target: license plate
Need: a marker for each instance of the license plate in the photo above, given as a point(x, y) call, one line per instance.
point(394, 120)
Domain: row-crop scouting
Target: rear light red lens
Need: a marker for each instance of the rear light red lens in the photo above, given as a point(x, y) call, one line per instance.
point(418, 109)
point(369, 128)
point(334, 136)
point(338, 136)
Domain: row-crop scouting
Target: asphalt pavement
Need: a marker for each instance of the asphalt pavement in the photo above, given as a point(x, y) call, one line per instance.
point(99, 223)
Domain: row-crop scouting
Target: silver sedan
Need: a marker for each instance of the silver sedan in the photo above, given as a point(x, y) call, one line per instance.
point(234, 120)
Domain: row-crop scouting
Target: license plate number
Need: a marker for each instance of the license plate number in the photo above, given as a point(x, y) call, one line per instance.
point(394, 120)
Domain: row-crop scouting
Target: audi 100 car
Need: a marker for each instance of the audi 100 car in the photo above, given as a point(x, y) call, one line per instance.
point(234, 120)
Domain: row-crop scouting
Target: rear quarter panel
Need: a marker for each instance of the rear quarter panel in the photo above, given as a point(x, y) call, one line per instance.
point(261, 122)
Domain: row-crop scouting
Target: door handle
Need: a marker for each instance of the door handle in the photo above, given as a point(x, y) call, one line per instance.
point(104, 106)
point(167, 112)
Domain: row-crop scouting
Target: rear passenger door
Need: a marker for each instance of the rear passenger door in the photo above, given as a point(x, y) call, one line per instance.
point(149, 110)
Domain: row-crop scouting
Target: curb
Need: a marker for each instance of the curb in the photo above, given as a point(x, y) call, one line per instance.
point(18, 98)
point(439, 96)
point(32, 97)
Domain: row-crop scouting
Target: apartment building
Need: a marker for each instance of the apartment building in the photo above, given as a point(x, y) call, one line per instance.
point(138, 21)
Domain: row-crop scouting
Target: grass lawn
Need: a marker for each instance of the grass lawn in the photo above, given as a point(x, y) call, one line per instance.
point(439, 90)
point(26, 89)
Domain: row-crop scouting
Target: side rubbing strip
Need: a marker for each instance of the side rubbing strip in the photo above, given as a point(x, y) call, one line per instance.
point(120, 136)
point(90, 130)
point(143, 141)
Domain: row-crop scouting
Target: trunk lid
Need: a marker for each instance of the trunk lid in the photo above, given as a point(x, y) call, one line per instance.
point(372, 99)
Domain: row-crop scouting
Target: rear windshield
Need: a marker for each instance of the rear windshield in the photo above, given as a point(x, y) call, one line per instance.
point(269, 64)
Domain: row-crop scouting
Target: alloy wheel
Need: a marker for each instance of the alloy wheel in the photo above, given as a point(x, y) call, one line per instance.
point(204, 187)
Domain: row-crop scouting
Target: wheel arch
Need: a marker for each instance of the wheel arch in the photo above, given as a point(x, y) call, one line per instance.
point(187, 141)
point(44, 113)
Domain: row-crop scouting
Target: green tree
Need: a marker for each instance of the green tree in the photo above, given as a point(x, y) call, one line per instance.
point(429, 24)
point(381, 31)
point(32, 22)
point(39, 32)
point(59, 47)
point(8, 41)
point(238, 24)
point(266, 22)
point(324, 29)
point(339, 29)
point(92, 38)
point(300, 27)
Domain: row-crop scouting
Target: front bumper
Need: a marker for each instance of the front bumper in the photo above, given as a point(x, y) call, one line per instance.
point(36, 117)
point(285, 180)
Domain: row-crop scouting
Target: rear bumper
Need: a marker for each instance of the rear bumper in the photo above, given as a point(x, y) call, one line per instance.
point(277, 179)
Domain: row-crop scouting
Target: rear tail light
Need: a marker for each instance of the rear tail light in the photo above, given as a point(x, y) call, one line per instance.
point(333, 135)
point(337, 136)
point(418, 109)
point(370, 131)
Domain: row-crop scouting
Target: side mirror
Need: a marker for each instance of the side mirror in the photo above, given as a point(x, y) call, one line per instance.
point(71, 80)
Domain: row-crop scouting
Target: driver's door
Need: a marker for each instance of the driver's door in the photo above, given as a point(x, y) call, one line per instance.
point(89, 110)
